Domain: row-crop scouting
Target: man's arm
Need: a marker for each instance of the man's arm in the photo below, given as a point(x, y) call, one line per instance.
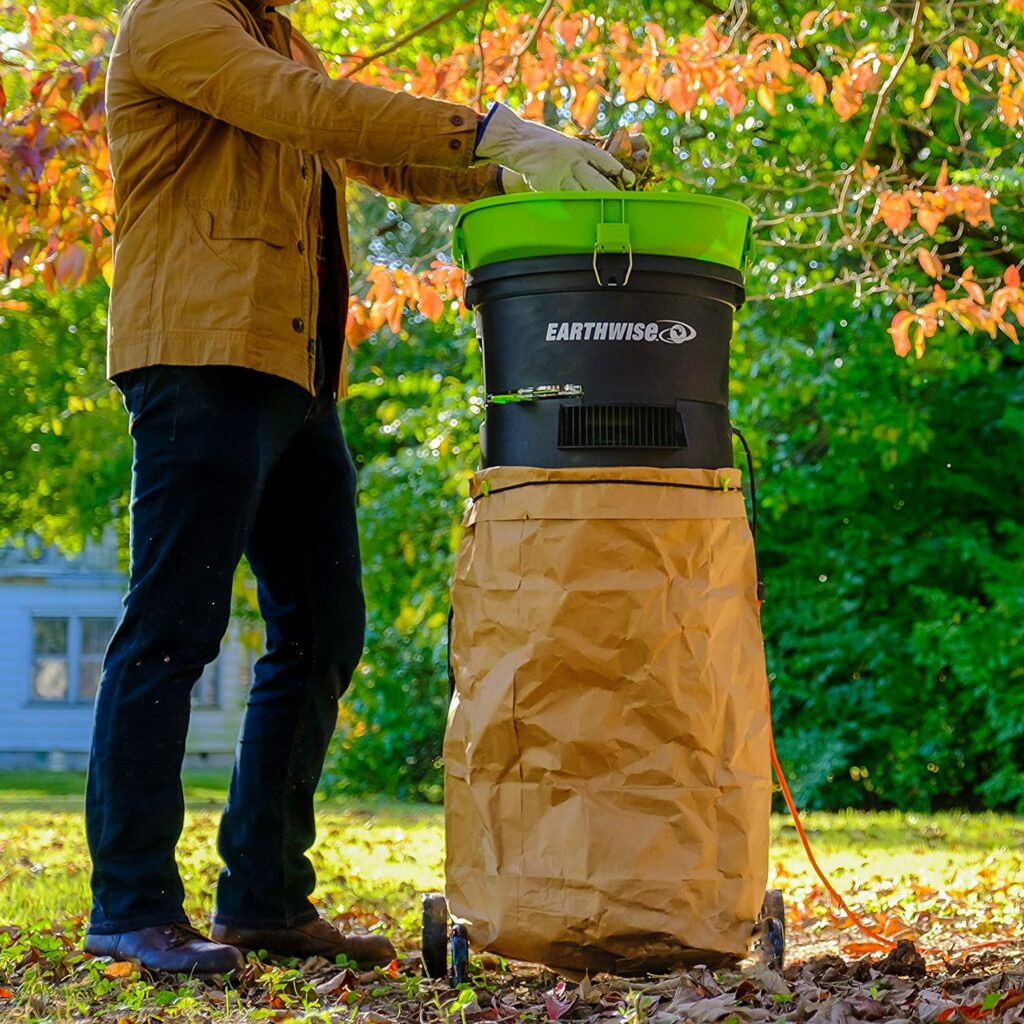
point(198, 53)
point(428, 185)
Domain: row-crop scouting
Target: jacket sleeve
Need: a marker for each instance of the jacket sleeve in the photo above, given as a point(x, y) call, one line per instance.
point(199, 53)
point(428, 185)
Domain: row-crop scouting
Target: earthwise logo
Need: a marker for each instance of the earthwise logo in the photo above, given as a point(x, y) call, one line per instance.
point(672, 332)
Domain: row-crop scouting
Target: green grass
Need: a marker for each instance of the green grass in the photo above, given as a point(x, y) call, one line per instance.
point(372, 858)
point(953, 877)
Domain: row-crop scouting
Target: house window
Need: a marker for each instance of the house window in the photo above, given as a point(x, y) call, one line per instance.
point(50, 659)
point(67, 655)
point(67, 659)
point(95, 635)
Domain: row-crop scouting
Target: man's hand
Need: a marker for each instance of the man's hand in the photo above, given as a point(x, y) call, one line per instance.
point(548, 161)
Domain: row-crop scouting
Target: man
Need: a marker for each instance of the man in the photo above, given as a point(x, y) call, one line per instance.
point(230, 147)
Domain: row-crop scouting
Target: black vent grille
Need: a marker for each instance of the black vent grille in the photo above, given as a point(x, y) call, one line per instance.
point(620, 426)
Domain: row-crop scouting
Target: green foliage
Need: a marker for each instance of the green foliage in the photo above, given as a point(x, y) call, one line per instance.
point(892, 546)
point(415, 435)
point(64, 452)
point(891, 516)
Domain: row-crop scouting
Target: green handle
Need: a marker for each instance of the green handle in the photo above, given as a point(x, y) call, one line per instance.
point(613, 238)
point(612, 235)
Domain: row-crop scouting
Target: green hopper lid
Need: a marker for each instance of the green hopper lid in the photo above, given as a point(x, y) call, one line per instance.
point(557, 223)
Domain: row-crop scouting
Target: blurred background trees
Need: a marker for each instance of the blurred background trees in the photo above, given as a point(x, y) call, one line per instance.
point(879, 146)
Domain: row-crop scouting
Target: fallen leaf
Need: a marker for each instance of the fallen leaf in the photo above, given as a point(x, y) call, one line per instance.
point(558, 1003)
point(342, 981)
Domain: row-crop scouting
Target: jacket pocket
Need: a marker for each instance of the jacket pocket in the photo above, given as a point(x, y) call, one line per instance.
point(237, 267)
point(241, 224)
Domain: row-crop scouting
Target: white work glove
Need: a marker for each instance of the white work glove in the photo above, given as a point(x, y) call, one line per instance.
point(512, 182)
point(548, 161)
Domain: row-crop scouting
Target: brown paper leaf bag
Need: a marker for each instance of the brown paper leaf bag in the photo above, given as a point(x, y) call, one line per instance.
point(607, 784)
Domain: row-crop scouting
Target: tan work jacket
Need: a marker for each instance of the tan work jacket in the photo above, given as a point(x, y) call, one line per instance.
point(218, 139)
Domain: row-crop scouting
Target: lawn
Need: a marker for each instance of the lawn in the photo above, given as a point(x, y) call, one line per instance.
point(953, 881)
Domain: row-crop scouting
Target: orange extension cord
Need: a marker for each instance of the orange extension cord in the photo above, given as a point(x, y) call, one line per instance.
point(883, 940)
point(838, 900)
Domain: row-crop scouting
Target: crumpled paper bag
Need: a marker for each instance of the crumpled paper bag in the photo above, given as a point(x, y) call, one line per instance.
point(607, 785)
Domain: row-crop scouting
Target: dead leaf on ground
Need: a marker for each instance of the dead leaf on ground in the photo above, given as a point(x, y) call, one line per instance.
point(119, 969)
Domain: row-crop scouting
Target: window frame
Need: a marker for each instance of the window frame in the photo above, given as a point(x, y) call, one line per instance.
point(72, 656)
point(81, 653)
point(33, 656)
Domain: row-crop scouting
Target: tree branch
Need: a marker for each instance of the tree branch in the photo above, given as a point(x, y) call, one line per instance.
point(411, 34)
point(876, 114)
point(529, 40)
point(480, 49)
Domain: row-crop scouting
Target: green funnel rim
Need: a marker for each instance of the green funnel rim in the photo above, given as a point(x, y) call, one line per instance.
point(696, 199)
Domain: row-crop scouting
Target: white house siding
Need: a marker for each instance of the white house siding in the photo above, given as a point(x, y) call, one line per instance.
point(57, 733)
point(213, 733)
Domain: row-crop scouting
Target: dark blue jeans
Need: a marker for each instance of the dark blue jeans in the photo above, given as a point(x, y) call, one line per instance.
point(227, 461)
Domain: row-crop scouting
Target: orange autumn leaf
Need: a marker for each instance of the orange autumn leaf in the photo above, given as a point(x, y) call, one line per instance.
point(818, 87)
point(67, 121)
point(933, 88)
point(779, 64)
point(585, 106)
point(866, 947)
point(962, 50)
point(1010, 112)
point(569, 29)
point(655, 87)
point(383, 288)
point(957, 86)
point(394, 314)
point(894, 211)
point(846, 100)
point(930, 263)
point(806, 26)
point(899, 330)
point(892, 926)
point(633, 83)
point(733, 96)
point(430, 303)
point(929, 218)
point(71, 264)
point(680, 95)
point(967, 282)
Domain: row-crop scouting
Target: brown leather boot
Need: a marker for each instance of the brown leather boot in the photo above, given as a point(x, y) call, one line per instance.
point(317, 938)
point(177, 948)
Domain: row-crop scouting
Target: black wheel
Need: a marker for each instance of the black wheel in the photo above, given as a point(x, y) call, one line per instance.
point(435, 935)
point(460, 957)
point(773, 929)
